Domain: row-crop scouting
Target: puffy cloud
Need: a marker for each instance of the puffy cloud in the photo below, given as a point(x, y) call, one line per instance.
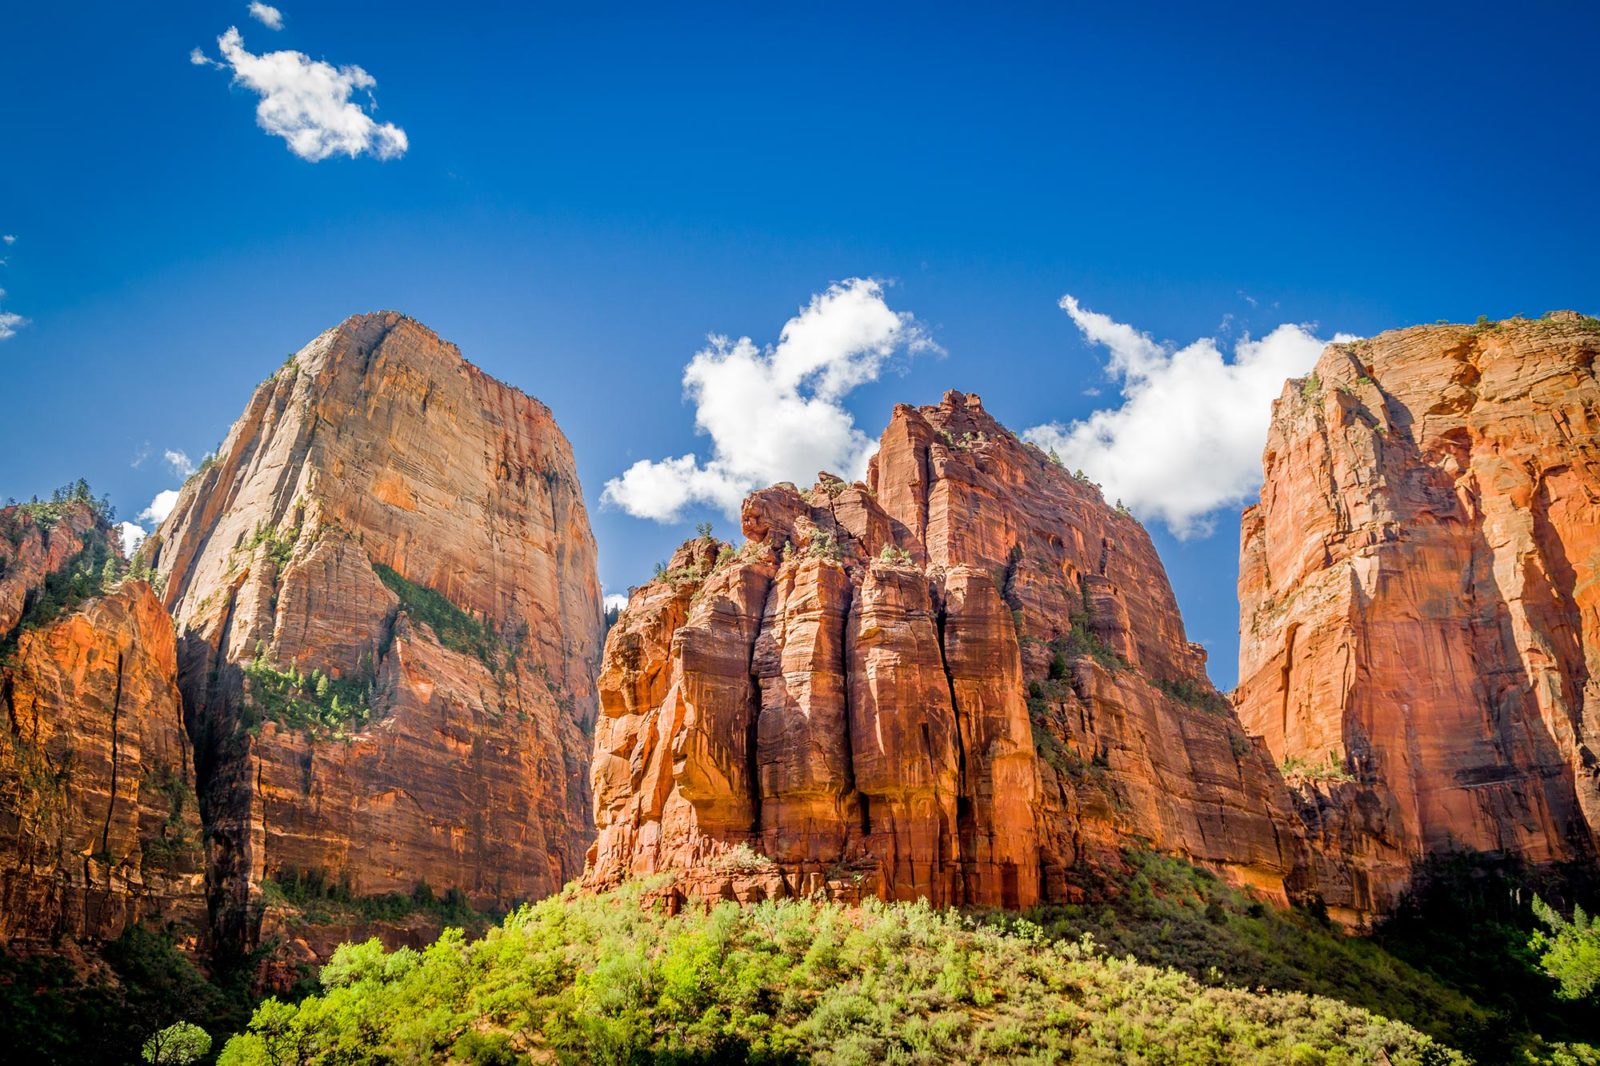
point(1188, 437)
point(307, 101)
point(9, 321)
point(774, 413)
point(132, 536)
point(9, 238)
point(179, 461)
point(159, 507)
point(615, 601)
point(268, 16)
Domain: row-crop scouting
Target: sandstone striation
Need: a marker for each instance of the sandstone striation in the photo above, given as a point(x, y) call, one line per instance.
point(958, 680)
point(385, 587)
point(99, 825)
point(1419, 607)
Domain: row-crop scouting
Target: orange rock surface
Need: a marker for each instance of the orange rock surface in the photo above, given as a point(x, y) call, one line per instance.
point(945, 682)
point(1419, 607)
point(99, 826)
point(377, 446)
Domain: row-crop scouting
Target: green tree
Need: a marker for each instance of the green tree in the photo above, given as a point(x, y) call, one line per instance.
point(1569, 951)
point(177, 1045)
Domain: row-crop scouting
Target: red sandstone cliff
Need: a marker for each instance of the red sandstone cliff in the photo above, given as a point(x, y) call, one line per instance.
point(99, 827)
point(953, 681)
point(1419, 607)
point(388, 527)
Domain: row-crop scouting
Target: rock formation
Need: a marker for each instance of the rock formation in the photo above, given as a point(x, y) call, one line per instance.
point(99, 827)
point(1419, 607)
point(957, 680)
point(385, 588)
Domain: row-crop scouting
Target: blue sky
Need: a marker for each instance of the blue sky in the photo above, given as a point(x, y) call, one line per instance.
point(584, 196)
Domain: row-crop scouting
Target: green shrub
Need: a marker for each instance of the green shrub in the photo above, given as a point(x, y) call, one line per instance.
point(607, 979)
point(1569, 949)
point(177, 1045)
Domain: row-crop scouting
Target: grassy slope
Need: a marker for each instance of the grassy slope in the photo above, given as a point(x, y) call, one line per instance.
point(602, 979)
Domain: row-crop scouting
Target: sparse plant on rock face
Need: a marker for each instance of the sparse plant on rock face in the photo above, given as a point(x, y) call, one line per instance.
point(823, 545)
point(1298, 770)
point(895, 556)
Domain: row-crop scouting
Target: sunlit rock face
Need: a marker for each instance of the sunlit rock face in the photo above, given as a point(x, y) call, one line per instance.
point(951, 681)
point(1419, 608)
point(388, 526)
point(99, 828)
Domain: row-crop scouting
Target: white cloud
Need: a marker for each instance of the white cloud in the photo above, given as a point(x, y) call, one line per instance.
point(1188, 437)
point(200, 59)
point(615, 601)
point(774, 413)
point(9, 239)
point(179, 461)
point(132, 536)
point(159, 507)
point(9, 321)
point(268, 16)
point(307, 102)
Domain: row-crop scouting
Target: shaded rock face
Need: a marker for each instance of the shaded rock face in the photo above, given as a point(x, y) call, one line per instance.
point(99, 825)
point(1419, 607)
point(945, 682)
point(389, 528)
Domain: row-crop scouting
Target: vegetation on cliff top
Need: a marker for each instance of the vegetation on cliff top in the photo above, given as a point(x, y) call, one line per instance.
point(95, 569)
point(607, 979)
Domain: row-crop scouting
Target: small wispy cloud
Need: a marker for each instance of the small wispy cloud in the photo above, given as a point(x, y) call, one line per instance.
point(267, 15)
point(178, 461)
point(307, 101)
point(615, 601)
point(10, 321)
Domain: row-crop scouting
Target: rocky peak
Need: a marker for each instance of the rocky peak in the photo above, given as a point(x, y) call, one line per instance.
point(385, 584)
point(944, 682)
point(974, 494)
point(1419, 610)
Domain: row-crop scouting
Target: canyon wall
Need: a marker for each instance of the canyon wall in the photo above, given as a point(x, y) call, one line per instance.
point(99, 826)
point(389, 618)
point(1419, 610)
point(963, 679)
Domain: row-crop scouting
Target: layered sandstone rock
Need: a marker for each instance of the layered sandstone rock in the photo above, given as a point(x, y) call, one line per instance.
point(1419, 607)
point(952, 681)
point(99, 826)
point(389, 612)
